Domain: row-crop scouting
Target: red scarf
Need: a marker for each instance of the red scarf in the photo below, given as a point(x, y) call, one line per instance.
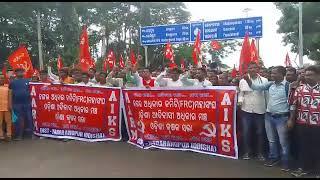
point(150, 83)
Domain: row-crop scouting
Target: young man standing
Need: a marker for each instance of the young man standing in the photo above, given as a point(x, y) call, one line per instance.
point(200, 80)
point(173, 81)
point(305, 116)
point(21, 105)
point(85, 80)
point(277, 116)
point(253, 109)
point(5, 109)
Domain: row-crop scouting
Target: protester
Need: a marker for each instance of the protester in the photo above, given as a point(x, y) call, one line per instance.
point(213, 78)
point(35, 77)
point(44, 77)
point(200, 80)
point(85, 80)
point(77, 75)
point(97, 76)
point(103, 80)
point(223, 79)
point(291, 74)
point(276, 117)
point(145, 80)
point(5, 110)
point(172, 81)
point(305, 110)
point(92, 72)
point(64, 76)
point(21, 105)
point(253, 109)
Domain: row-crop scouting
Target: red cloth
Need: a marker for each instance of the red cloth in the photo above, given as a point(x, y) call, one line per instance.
point(245, 56)
point(21, 59)
point(215, 45)
point(254, 52)
point(59, 62)
point(121, 62)
point(86, 62)
point(149, 83)
point(287, 61)
point(133, 58)
point(196, 49)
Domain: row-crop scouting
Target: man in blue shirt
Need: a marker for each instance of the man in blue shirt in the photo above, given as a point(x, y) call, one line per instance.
point(277, 116)
point(21, 105)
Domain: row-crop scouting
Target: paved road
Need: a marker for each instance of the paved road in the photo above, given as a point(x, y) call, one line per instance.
point(52, 158)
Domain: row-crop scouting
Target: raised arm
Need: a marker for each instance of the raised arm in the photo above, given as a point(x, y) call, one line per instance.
point(186, 81)
point(50, 74)
point(259, 87)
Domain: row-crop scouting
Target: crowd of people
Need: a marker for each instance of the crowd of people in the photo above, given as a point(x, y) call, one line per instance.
point(278, 108)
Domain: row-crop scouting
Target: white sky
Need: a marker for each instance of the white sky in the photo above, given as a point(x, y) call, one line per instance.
point(272, 50)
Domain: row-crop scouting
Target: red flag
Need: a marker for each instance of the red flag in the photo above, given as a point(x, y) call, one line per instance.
point(215, 45)
point(121, 62)
point(105, 66)
point(168, 53)
point(254, 52)
point(287, 62)
point(133, 58)
point(196, 49)
point(86, 62)
point(4, 73)
point(245, 55)
point(110, 59)
point(59, 62)
point(21, 59)
point(36, 73)
point(182, 65)
point(234, 72)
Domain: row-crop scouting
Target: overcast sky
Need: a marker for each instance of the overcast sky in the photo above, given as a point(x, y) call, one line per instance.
point(272, 50)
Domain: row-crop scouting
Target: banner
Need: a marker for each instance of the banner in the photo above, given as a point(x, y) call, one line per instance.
point(201, 120)
point(76, 112)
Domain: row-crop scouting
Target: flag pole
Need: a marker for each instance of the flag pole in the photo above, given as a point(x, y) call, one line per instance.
point(39, 41)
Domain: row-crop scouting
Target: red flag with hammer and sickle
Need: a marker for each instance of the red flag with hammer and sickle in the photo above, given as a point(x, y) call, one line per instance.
point(21, 59)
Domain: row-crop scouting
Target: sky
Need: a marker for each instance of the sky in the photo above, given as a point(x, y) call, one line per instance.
point(272, 50)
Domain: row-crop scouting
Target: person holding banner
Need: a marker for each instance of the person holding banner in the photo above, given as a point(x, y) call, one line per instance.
point(5, 109)
point(103, 80)
point(145, 80)
point(21, 105)
point(253, 109)
point(64, 77)
point(173, 81)
point(86, 80)
point(276, 117)
point(92, 78)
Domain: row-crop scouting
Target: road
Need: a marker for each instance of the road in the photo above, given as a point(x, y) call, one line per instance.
point(53, 158)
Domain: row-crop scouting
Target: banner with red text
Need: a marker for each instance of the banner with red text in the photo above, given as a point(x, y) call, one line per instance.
point(201, 120)
point(76, 112)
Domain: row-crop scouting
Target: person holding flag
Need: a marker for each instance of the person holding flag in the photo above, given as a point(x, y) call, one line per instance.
point(172, 81)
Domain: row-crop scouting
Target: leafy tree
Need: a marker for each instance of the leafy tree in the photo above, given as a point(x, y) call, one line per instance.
point(289, 25)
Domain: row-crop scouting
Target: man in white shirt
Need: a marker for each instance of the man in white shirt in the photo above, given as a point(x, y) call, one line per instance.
point(85, 80)
point(145, 80)
point(173, 81)
point(200, 80)
point(253, 108)
point(92, 73)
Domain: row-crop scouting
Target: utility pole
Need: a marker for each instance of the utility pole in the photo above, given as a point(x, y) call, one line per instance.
point(300, 36)
point(39, 42)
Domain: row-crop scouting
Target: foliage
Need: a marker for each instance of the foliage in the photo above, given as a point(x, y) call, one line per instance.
point(289, 25)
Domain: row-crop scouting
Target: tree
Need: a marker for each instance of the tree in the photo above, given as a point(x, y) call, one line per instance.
point(289, 25)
